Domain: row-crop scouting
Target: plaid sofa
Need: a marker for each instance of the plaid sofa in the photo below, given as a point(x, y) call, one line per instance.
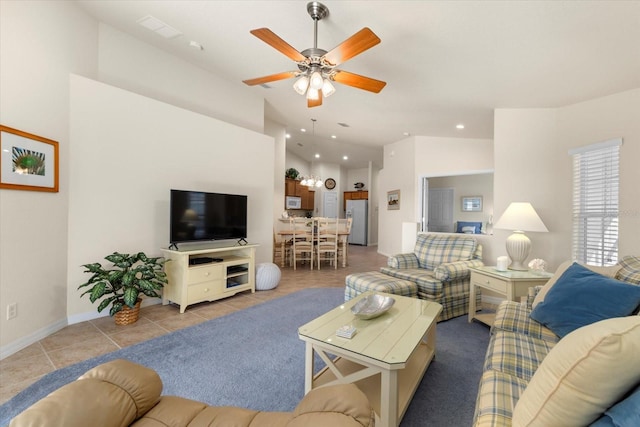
point(516, 349)
point(439, 266)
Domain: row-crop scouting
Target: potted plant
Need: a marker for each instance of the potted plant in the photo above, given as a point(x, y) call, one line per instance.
point(292, 173)
point(121, 285)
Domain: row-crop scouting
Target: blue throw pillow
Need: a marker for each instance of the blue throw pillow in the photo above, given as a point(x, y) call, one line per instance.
point(461, 227)
point(625, 413)
point(581, 297)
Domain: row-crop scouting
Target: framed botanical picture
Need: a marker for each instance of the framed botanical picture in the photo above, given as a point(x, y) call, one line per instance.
point(472, 204)
point(393, 200)
point(27, 161)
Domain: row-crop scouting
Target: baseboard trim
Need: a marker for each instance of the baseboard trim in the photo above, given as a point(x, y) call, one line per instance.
point(26, 341)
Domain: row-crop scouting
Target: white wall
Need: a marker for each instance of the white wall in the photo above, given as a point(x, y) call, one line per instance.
point(532, 164)
point(131, 64)
point(40, 44)
point(278, 132)
point(406, 162)
point(121, 175)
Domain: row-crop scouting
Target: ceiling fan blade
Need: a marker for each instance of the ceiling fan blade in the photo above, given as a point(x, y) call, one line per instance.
point(315, 102)
point(270, 38)
point(354, 45)
point(271, 78)
point(356, 80)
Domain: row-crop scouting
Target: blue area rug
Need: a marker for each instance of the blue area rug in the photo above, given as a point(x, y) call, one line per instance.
point(254, 359)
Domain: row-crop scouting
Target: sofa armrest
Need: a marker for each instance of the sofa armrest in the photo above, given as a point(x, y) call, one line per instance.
point(409, 260)
point(336, 405)
point(457, 270)
point(531, 295)
point(113, 394)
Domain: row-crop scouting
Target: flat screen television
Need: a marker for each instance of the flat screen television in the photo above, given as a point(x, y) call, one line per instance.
point(200, 216)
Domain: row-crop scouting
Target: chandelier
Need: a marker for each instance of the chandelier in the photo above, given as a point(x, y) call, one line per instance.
point(311, 181)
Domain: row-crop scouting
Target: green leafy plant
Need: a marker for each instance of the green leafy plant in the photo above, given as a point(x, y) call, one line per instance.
point(292, 173)
point(122, 284)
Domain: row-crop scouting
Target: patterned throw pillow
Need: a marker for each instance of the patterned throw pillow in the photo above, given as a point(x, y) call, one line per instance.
point(630, 271)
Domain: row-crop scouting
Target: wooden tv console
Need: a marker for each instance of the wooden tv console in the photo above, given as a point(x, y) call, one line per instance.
point(191, 283)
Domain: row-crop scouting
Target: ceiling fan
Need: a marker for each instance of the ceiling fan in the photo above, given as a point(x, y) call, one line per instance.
point(317, 66)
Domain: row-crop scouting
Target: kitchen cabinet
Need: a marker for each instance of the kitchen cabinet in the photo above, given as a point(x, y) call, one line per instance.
point(293, 187)
point(354, 195)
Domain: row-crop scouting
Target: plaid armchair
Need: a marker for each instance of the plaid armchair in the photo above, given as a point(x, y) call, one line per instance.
point(439, 265)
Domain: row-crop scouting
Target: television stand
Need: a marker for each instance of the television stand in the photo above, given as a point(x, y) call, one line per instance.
point(191, 281)
point(242, 241)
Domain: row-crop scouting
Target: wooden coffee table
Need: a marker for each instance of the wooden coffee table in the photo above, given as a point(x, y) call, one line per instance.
point(386, 359)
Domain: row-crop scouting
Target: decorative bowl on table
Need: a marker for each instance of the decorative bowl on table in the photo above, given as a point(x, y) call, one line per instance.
point(372, 306)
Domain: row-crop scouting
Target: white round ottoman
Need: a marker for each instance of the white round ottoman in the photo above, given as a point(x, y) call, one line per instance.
point(267, 276)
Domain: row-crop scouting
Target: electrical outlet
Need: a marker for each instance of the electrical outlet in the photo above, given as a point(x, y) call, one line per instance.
point(12, 310)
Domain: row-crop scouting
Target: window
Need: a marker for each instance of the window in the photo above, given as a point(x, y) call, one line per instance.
point(596, 181)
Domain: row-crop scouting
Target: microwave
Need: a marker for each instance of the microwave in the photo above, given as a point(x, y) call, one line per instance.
point(292, 202)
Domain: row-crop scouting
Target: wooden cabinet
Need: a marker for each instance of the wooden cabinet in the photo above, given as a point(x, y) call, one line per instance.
point(354, 195)
point(307, 196)
point(231, 271)
point(290, 187)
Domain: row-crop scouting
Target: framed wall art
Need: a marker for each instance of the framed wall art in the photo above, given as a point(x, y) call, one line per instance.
point(28, 162)
point(472, 204)
point(393, 200)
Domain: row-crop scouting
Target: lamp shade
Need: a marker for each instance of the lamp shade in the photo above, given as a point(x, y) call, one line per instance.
point(522, 217)
point(519, 217)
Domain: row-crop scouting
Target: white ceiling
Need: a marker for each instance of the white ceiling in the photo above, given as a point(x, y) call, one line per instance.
point(445, 62)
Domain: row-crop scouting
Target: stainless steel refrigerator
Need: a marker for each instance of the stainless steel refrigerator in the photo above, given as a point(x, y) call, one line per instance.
point(357, 209)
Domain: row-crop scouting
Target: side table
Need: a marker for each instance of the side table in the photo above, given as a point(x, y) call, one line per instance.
point(511, 284)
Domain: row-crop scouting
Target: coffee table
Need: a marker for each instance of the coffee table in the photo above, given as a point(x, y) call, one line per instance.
point(386, 359)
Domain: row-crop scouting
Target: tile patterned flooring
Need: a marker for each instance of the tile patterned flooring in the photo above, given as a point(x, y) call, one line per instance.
point(85, 340)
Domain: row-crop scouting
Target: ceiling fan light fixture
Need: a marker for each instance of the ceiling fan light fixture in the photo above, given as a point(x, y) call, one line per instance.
point(301, 85)
point(327, 88)
point(313, 94)
point(316, 81)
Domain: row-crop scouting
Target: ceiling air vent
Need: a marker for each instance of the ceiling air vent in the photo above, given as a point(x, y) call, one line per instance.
point(344, 125)
point(159, 27)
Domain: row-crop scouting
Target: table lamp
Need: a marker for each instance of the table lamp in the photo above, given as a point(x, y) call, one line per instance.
point(519, 217)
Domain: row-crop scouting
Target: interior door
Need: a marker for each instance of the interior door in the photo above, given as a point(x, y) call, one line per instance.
point(330, 204)
point(440, 210)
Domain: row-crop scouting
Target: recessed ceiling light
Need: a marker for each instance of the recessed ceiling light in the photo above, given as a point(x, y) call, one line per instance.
point(288, 135)
point(303, 130)
point(345, 158)
point(460, 126)
point(406, 133)
point(317, 156)
point(333, 136)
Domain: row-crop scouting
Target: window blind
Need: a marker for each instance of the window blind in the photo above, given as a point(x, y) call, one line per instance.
point(596, 181)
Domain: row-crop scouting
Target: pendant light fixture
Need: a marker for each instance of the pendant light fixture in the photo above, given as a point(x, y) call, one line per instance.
point(312, 180)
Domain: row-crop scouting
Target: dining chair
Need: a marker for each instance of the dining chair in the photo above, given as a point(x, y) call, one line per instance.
point(303, 237)
point(281, 249)
point(328, 241)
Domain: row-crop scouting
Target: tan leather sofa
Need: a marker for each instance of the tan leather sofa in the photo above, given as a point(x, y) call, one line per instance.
point(122, 393)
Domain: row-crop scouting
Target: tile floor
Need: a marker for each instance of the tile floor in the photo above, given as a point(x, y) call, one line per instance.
point(85, 340)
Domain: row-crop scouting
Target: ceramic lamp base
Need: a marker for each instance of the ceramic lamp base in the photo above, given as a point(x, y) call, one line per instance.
point(518, 247)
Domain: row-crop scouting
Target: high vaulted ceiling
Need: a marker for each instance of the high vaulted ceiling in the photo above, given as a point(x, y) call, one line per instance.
point(445, 62)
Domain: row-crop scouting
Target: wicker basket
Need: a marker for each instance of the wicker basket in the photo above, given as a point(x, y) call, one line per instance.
point(128, 315)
